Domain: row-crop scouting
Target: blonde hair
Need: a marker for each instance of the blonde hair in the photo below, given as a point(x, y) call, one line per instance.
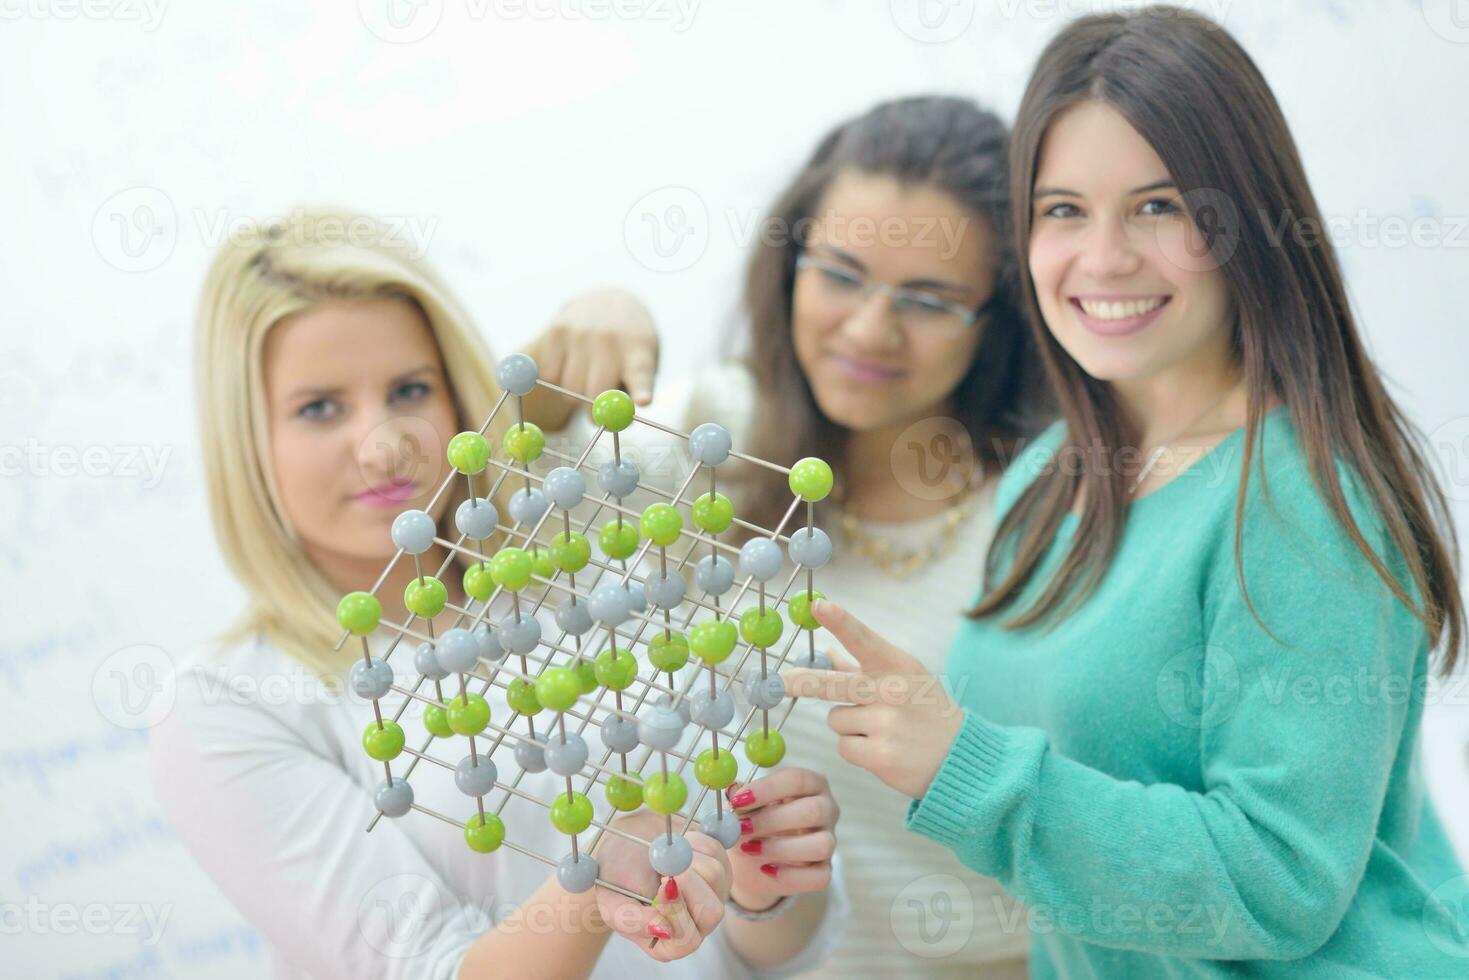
point(263, 274)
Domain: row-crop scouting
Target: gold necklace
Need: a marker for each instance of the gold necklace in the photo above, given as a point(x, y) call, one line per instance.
point(902, 563)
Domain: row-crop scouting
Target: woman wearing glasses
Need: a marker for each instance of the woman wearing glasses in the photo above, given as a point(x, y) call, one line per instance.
point(882, 336)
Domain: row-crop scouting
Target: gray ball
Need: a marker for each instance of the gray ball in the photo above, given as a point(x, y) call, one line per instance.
point(566, 758)
point(813, 661)
point(618, 477)
point(577, 873)
point(531, 755)
point(565, 486)
point(670, 855)
point(662, 728)
point(518, 635)
point(637, 602)
point(573, 618)
point(723, 827)
point(393, 798)
point(810, 547)
point(711, 712)
point(489, 644)
point(458, 650)
point(527, 505)
point(517, 374)
point(709, 444)
point(371, 680)
point(426, 662)
point(764, 692)
point(476, 518)
point(665, 701)
point(476, 775)
point(619, 734)
point(414, 531)
point(714, 574)
point(760, 558)
point(609, 604)
point(664, 591)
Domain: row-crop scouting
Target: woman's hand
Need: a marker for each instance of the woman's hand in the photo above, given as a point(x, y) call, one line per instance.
point(787, 836)
point(688, 907)
point(895, 719)
point(600, 339)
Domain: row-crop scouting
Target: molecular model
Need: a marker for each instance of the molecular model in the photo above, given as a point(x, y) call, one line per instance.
point(592, 674)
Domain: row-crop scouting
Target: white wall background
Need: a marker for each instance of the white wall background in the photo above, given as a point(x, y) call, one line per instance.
point(532, 147)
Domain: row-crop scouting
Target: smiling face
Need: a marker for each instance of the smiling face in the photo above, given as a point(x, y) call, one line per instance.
point(1122, 274)
point(360, 412)
point(879, 362)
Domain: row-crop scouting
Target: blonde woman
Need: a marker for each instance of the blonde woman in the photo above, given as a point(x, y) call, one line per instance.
point(332, 369)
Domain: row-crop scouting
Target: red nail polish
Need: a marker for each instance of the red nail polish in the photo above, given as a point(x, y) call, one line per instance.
point(670, 890)
point(746, 825)
point(752, 846)
point(743, 798)
point(658, 931)
point(768, 869)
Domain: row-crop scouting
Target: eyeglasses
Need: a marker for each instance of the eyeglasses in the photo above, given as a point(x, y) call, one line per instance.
point(916, 307)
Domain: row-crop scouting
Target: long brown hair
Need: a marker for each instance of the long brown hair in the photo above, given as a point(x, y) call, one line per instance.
point(1193, 93)
point(947, 143)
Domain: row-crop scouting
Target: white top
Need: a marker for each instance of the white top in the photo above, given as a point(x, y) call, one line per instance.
point(261, 770)
point(916, 909)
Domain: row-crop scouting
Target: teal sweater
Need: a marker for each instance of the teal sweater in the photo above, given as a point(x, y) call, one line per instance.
point(1173, 792)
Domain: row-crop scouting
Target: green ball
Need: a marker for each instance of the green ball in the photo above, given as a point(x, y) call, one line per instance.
point(484, 833)
point(618, 540)
point(716, 769)
point(557, 688)
point(616, 668)
point(571, 552)
point(665, 793)
point(520, 694)
point(523, 442)
point(541, 564)
point(511, 568)
point(714, 640)
point(760, 631)
point(436, 720)
point(662, 523)
point(586, 675)
point(613, 410)
point(713, 512)
point(478, 582)
point(383, 743)
point(359, 612)
point(571, 813)
point(668, 651)
point(625, 794)
point(810, 479)
point(468, 452)
point(765, 748)
point(799, 606)
point(425, 597)
point(468, 714)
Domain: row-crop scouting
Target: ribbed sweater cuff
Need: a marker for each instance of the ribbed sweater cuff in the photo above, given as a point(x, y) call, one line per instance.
point(947, 812)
